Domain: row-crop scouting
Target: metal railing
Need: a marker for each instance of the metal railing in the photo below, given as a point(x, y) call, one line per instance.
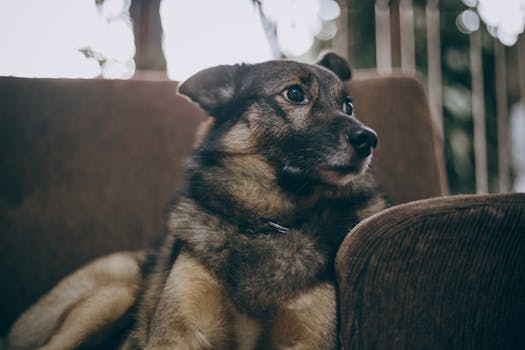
point(384, 42)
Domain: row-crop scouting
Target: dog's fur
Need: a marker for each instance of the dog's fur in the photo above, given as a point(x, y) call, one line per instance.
point(247, 259)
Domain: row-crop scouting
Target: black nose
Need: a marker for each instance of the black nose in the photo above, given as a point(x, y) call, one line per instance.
point(363, 140)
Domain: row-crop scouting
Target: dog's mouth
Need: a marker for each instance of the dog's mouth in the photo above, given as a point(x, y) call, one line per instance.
point(342, 169)
point(341, 175)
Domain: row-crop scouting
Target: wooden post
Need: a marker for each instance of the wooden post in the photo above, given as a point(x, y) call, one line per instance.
point(148, 34)
point(478, 111)
point(435, 92)
point(406, 29)
point(518, 146)
point(502, 115)
point(383, 46)
point(340, 42)
point(395, 32)
point(521, 66)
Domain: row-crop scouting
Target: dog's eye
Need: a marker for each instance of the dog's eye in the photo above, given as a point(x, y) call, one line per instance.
point(348, 107)
point(295, 94)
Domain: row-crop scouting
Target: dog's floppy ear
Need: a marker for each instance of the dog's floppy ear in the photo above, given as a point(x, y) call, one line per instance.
point(211, 88)
point(336, 64)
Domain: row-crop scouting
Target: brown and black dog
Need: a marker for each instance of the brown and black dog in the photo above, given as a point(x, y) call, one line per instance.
point(247, 258)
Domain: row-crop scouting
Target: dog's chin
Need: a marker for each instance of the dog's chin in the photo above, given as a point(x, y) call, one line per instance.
point(341, 175)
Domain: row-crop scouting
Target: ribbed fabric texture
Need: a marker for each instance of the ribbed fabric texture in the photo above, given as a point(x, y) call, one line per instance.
point(446, 273)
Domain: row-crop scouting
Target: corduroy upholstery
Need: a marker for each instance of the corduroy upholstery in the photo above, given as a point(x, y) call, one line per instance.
point(87, 167)
point(443, 273)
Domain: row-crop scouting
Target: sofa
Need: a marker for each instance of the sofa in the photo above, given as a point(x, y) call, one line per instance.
point(88, 166)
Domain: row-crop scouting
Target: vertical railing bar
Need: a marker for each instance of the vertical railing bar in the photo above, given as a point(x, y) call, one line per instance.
point(406, 19)
point(521, 66)
point(340, 42)
point(517, 146)
point(435, 93)
point(478, 111)
point(502, 116)
point(383, 40)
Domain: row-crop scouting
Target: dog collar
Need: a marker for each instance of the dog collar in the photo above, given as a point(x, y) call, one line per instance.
point(277, 227)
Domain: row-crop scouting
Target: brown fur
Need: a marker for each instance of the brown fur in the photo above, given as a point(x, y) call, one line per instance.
point(247, 259)
point(84, 308)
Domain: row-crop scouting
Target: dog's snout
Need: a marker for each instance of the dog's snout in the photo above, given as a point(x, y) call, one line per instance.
point(362, 139)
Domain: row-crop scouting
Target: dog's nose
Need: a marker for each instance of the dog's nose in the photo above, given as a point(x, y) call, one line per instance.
point(362, 139)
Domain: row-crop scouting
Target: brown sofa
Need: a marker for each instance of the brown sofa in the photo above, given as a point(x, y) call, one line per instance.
point(87, 167)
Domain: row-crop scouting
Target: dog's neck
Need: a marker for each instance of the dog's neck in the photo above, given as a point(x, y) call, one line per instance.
point(246, 186)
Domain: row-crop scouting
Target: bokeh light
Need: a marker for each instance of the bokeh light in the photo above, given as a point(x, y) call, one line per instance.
point(506, 18)
point(299, 22)
point(467, 21)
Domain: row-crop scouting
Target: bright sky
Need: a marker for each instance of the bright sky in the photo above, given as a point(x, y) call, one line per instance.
point(42, 38)
point(203, 33)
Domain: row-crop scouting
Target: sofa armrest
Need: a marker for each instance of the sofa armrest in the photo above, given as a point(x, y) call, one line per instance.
point(447, 272)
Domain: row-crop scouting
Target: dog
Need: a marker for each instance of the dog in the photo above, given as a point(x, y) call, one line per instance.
point(247, 260)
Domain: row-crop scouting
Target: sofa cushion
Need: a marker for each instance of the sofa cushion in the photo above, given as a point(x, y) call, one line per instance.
point(445, 273)
point(87, 167)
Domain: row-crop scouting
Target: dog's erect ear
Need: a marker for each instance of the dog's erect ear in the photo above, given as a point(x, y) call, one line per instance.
point(336, 64)
point(211, 88)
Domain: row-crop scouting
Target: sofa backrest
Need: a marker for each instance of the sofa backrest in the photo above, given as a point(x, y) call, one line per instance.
point(87, 167)
point(409, 160)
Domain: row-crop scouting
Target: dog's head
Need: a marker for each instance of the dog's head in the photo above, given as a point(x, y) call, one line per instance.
point(298, 117)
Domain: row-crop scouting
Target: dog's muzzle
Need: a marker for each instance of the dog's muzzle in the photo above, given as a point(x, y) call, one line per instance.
point(362, 139)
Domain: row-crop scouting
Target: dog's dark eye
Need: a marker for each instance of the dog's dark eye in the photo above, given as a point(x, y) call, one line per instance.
point(295, 94)
point(348, 107)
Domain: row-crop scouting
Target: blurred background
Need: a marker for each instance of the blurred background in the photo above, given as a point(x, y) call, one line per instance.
point(470, 53)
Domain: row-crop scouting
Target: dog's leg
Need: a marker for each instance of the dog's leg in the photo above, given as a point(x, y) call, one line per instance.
point(82, 307)
point(193, 311)
point(307, 322)
point(93, 318)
